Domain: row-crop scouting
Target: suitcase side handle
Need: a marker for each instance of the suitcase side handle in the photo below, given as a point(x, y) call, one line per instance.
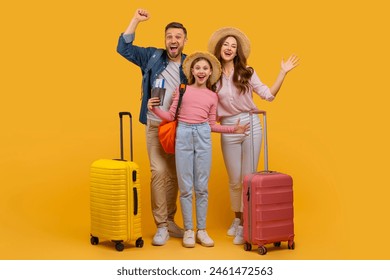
point(135, 197)
point(264, 113)
point(121, 114)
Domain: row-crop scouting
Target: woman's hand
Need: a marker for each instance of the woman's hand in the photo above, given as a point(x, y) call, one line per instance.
point(290, 64)
point(154, 101)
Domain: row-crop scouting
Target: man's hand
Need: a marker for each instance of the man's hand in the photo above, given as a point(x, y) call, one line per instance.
point(141, 15)
point(154, 101)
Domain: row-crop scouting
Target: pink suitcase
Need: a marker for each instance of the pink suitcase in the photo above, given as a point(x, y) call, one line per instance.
point(268, 204)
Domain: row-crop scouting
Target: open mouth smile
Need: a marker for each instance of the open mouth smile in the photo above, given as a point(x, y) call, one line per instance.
point(201, 78)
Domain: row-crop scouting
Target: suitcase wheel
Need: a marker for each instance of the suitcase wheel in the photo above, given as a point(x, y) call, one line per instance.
point(247, 247)
point(119, 246)
point(262, 250)
point(291, 245)
point(139, 243)
point(277, 244)
point(94, 240)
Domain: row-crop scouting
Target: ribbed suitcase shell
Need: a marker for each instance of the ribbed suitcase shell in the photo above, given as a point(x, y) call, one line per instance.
point(115, 200)
point(268, 209)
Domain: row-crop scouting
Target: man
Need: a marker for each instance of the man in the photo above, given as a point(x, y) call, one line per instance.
point(158, 65)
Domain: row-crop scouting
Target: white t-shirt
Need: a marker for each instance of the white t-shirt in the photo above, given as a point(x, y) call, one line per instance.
point(171, 76)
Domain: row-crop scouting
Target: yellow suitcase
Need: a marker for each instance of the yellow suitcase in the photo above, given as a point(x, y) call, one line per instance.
point(115, 198)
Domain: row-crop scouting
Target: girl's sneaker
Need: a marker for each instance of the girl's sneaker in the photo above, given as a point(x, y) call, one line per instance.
point(204, 239)
point(189, 239)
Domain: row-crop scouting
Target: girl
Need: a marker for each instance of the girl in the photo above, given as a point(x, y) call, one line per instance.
point(234, 88)
point(196, 119)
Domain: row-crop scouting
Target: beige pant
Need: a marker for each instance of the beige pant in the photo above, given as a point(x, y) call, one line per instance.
point(164, 188)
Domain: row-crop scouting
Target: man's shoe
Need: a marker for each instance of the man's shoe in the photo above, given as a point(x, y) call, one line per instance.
point(174, 230)
point(161, 236)
point(233, 228)
point(189, 239)
point(204, 239)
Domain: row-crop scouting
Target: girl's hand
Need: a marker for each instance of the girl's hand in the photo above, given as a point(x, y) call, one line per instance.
point(290, 64)
point(174, 93)
point(154, 101)
point(241, 129)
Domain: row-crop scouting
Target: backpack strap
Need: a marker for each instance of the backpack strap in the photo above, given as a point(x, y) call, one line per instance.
point(182, 90)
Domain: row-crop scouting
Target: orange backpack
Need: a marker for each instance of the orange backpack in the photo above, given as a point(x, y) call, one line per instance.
point(167, 129)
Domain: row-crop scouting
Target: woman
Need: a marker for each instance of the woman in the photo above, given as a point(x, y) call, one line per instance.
point(234, 88)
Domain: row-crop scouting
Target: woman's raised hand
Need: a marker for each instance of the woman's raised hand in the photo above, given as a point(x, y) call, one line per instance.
point(290, 64)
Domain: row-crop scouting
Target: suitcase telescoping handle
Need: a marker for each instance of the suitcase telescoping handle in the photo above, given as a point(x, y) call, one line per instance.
point(121, 114)
point(134, 174)
point(254, 164)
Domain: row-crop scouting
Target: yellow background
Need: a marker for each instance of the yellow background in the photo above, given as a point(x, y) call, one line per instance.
point(62, 85)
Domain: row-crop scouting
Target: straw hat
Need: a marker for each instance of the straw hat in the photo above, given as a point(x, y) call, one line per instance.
point(238, 34)
point(217, 70)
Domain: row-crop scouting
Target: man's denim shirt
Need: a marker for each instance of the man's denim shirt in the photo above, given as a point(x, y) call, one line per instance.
point(140, 56)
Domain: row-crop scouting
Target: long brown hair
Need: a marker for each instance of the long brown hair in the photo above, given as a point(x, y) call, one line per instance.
point(242, 73)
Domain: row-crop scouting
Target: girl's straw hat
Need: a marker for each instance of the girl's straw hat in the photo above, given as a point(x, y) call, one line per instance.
point(238, 34)
point(217, 70)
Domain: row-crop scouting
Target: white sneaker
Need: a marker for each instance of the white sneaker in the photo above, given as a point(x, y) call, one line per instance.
point(189, 239)
point(233, 228)
point(174, 230)
point(161, 236)
point(204, 239)
point(239, 238)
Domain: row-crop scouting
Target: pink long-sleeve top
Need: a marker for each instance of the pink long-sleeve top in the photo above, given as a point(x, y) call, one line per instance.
point(232, 102)
point(197, 106)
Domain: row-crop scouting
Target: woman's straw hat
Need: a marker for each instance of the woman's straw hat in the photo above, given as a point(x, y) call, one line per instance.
point(238, 34)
